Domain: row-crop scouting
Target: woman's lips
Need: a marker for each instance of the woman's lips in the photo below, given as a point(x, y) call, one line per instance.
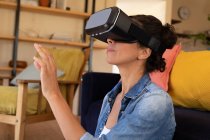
point(110, 49)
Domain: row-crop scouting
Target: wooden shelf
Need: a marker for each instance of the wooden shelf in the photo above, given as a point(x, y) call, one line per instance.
point(9, 5)
point(54, 11)
point(7, 38)
point(56, 42)
point(40, 10)
point(46, 10)
point(181, 35)
point(48, 41)
point(5, 77)
point(99, 47)
point(9, 69)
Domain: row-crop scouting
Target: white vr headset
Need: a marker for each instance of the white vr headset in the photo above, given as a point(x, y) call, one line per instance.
point(114, 24)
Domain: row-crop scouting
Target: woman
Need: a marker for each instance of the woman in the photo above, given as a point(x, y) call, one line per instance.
point(136, 108)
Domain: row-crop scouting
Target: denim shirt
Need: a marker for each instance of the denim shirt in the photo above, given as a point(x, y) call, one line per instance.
point(146, 114)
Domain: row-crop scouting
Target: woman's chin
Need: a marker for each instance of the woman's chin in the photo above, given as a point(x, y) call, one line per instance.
point(110, 62)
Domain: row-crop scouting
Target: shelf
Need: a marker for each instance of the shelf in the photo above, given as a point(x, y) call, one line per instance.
point(5, 77)
point(9, 69)
point(7, 37)
point(175, 21)
point(9, 5)
point(40, 10)
point(99, 46)
point(57, 42)
point(46, 10)
point(189, 36)
point(48, 41)
point(54, 11)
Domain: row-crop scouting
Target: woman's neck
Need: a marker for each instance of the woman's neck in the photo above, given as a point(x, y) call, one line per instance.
point(129, 77)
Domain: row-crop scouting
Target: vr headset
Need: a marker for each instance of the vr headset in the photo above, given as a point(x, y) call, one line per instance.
point(114, 24)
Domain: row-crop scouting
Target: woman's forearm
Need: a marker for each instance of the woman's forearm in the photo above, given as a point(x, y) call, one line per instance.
point(70, 127)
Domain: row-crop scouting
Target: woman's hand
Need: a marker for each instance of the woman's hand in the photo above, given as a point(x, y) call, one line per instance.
point(46, 64)
point(70, 127)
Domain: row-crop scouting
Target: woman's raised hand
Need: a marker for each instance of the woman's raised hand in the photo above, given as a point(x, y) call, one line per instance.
point(46, 64)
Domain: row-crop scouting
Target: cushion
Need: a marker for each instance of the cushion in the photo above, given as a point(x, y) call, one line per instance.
point(189, 80)
point(70, 62)
point(8, 100)
point(31, 73)
point(162, 78)
point(191, 124)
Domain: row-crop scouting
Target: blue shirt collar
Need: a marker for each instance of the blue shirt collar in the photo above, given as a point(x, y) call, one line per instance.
point(139, 87)
point(136, 90)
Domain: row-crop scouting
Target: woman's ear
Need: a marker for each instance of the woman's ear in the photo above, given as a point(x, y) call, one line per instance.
point(144, 53)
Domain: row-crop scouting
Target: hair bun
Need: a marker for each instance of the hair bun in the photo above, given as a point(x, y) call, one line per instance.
point(169, 37)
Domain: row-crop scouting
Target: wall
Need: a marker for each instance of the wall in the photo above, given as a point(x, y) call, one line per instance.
point(156, 8)
point(196, 23)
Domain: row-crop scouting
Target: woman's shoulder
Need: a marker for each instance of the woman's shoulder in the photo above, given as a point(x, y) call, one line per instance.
point(155, 100)
point(154, 91)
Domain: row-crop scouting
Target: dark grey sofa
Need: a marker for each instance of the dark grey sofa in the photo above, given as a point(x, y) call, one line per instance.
point(191, 124)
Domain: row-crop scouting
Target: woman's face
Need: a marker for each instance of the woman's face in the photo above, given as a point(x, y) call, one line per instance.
point(122, 53)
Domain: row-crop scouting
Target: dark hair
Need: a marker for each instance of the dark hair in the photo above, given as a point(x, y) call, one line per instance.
point(164, 33)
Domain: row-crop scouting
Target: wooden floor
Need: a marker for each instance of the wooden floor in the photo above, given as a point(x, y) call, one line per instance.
point(48, 130)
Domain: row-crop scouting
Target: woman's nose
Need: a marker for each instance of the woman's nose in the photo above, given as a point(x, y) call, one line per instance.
point(110, 41)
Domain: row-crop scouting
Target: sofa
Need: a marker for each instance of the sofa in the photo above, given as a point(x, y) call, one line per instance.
point(192, 124)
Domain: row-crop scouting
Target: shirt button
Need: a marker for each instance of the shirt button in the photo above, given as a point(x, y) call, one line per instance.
point(122, 112)
point(110, 99)
point(101, 128)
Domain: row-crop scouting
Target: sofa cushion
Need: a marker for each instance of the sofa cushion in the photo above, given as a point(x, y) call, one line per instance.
point(191, 124)
point(189, 80)
point(8, 100)
point(162, 78)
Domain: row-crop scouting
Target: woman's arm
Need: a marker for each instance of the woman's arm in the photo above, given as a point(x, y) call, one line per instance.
point(69, 125)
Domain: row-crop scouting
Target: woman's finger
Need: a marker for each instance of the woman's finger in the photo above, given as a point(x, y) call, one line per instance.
point(46, 56)
point(37, 63)
point(40, 50)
